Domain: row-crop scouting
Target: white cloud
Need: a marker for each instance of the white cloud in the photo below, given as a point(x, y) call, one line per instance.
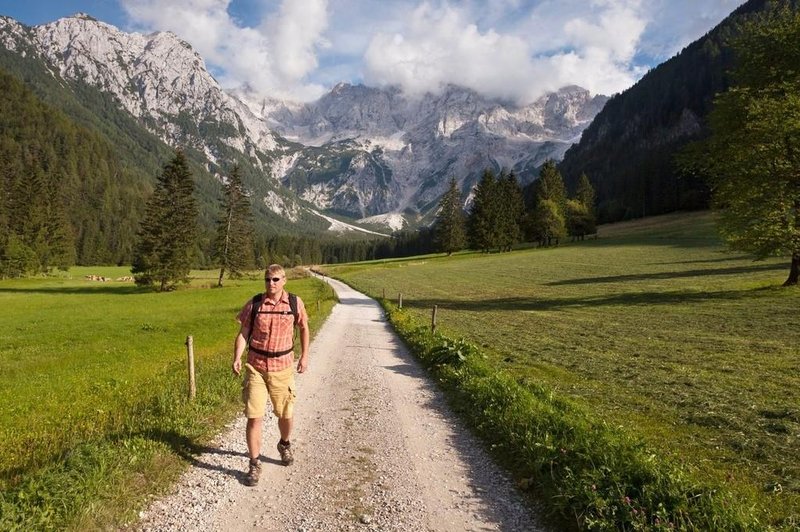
point(296, 34)
point(276, 57)
point(441, 45)
point(515, 49)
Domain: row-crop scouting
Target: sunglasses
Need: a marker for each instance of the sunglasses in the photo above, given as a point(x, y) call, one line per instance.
point(273, 279)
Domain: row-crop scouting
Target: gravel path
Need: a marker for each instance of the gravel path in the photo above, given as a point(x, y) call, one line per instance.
point(375, 449)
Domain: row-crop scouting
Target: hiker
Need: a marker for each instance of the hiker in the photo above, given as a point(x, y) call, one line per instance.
point(268, 322)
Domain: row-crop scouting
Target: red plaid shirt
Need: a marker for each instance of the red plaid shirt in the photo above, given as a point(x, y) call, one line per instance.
point(273, 332)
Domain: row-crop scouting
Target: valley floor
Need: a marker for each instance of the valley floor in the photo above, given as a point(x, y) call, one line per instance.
point(375, 448)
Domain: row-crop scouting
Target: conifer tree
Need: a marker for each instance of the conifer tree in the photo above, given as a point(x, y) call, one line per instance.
point(585, 192)
point(753, 154)
point(511, 207)
point(482, 222)
point(551, 185)
point(547, 220)
point(450, 228)
point(166, 238)
point(233, 248)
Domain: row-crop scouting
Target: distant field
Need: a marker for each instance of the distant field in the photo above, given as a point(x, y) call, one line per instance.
point(653, 327)
point(93, 386)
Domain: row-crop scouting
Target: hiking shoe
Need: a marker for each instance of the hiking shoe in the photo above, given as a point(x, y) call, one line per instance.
point(251, 479)
point(287, 457)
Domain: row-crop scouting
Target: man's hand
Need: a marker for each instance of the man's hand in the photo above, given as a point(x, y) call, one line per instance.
point(302, 364)
point(237, 366)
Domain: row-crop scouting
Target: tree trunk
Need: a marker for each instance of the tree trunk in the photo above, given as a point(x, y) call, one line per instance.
point(221, 273)
point(794, 271)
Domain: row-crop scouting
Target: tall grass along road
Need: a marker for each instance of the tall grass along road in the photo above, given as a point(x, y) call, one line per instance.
point(375, 447)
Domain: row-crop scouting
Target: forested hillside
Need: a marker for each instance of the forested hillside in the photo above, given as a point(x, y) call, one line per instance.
point(95, 164)
point(629, 150)
point(65, 196)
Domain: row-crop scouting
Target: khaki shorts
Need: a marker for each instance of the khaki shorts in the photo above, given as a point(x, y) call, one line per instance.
point(279, 385)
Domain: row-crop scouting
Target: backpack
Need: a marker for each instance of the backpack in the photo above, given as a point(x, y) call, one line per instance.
point(257, 303)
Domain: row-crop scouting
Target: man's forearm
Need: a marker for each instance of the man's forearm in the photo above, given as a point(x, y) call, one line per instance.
point(304, 341)
point(238, 347)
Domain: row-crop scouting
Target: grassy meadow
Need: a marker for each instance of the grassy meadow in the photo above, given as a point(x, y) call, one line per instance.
point(93, 384)
point(652, 330)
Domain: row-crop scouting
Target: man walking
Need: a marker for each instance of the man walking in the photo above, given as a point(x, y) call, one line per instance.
point(267, 328)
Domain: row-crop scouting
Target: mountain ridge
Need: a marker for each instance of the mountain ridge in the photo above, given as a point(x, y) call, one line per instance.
point(358, 152)
point(629, 150)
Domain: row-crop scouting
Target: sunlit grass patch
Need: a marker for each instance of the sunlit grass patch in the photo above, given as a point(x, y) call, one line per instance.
point(653, 327)
point(94, 387)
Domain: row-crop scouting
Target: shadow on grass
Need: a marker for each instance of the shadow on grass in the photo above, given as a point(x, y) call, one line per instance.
point(726, 258)
point(672, 275)
point(192, 453)
point(522, 304)
point(183, 446)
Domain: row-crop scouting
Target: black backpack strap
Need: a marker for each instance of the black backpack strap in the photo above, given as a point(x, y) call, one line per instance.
point(293, 307)
point(256, 303)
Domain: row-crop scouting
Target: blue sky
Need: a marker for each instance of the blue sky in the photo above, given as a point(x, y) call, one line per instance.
point(513, 49)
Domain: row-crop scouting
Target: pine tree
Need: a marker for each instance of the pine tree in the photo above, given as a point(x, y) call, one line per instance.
point(482, 222)
point(450, 228)
point(511, 207)
point(166, 238)
point(233, 247)
point(551, 185)
point(585, 192)
point(546, 222)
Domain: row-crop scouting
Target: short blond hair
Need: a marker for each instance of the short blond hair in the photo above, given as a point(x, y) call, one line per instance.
point(275, 269)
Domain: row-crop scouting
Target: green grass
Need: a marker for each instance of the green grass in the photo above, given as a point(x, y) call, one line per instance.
point(652, 328)
point(93, 385)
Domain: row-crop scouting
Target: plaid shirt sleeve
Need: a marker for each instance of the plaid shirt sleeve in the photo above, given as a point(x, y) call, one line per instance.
point(244, 315)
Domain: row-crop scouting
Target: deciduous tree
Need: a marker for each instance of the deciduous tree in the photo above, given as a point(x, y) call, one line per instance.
point(579, 221)
point(752, 157)
point(548, 222)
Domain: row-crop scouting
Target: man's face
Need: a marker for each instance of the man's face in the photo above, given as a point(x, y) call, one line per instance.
point(275, 282)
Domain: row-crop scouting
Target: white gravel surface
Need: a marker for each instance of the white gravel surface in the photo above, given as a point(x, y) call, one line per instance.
point(375, 449)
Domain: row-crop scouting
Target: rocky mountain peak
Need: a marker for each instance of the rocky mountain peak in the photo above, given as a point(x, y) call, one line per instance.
point(358, 150)
point(157, 77)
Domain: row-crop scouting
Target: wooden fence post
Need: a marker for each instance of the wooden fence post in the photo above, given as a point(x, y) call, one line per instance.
point(190, 353)
point(400, 300)
point(384, 293)
point(433, 319)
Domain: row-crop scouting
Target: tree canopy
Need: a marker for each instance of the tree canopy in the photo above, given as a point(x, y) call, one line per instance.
point(753, 154)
